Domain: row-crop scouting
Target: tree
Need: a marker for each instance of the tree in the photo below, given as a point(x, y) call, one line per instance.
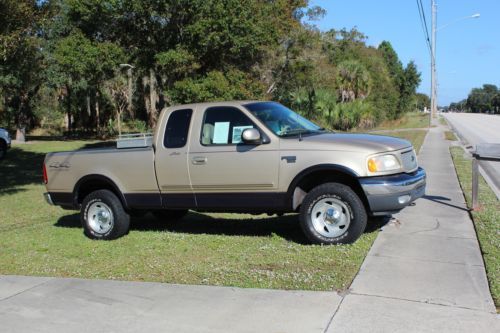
point(482, 99)
point(84, 65)
point(392, 60)
point(20, 60)
point(422, 101)
point(407, 88)
point(353, 81)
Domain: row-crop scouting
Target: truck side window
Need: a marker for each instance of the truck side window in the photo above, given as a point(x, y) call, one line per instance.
point(223, 125)
point(176, 133)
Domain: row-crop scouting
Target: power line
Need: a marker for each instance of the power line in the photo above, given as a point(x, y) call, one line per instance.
point(423, 21)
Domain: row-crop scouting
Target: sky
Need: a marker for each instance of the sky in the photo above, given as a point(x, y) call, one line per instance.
point(467, 51)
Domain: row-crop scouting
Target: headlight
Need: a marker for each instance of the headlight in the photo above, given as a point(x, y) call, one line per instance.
point(383, 163)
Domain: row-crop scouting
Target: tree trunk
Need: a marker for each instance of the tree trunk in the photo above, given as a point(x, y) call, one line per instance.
point(68, 109)
point(130, 92)
point(21, 134)
point(22, 119)
point(119, 121)
point(147, 101)
point(97, 112)
point(153, 97)
point(89, 110)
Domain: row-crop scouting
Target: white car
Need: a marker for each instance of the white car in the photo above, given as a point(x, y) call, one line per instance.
point(4, 142)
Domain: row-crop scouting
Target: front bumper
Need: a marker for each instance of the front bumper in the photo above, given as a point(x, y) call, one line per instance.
point(390, 194)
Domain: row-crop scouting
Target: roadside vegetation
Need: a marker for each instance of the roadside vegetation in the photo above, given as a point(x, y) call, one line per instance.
point(486, 219)
point(443, 121)
point(449, 135)
point(408, 120)
point(485, 99)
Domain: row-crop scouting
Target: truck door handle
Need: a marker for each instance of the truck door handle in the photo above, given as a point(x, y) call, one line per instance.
point(199, 160)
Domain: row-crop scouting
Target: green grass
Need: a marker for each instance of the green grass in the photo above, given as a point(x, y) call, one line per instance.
point(442, 121)
point(215, 249)
point(486, 220)
point(409, 120)
point(449, 135)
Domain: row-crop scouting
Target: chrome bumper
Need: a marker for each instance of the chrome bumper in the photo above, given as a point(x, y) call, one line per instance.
point(48, 199)
point(389, 194)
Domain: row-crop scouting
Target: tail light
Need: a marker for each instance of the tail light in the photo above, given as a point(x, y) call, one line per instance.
point(45, 178)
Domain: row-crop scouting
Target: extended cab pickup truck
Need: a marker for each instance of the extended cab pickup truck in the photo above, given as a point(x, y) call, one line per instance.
point(247, 157)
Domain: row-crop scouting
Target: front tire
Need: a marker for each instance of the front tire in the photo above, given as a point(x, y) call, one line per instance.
point(332, 213)
point(103, 217)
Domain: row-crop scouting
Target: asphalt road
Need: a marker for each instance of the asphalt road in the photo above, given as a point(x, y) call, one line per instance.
point(480, 128)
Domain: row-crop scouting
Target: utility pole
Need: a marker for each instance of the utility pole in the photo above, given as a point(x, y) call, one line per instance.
point(433, 63)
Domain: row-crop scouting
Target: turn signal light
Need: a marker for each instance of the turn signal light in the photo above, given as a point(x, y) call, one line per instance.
point(372, 166)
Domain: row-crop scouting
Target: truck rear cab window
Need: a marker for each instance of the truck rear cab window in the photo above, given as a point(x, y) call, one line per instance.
point(177, 130)
point(223, 125)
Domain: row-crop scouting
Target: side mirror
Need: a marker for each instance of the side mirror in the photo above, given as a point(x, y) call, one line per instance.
point(251, 136)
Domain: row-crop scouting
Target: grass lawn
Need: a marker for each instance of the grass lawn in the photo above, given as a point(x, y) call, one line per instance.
point(443, 121)
point(449, 135)
point(486, 220)
point(409, 120)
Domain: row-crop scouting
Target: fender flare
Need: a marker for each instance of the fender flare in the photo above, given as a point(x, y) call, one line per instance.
point(102, 179)
point(315, 168)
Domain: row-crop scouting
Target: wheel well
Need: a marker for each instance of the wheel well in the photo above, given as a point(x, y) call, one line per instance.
point(88, 185)
point(3, 143)
point(316, 178)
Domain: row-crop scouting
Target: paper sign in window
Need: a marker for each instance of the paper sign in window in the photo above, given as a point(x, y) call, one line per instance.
point(221, 131)
point(237, 130)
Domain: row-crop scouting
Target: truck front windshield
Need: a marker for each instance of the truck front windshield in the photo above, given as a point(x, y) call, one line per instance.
point(281, 120)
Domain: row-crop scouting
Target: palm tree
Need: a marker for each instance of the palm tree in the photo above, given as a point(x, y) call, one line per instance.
point(353, 81)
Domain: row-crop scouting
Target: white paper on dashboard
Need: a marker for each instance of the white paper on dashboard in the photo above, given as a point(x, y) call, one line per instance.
point(221, 131)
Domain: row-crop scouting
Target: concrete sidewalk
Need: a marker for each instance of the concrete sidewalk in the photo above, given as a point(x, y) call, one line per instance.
point(424, 273)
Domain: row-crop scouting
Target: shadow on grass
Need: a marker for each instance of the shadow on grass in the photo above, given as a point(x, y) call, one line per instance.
point(195, 223)
point(19, 168)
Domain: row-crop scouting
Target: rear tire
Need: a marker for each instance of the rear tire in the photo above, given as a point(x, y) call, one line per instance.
point(103, 217)
point(332, 213)
point(170, 215)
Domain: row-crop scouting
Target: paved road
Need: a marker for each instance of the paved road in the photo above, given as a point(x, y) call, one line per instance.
point(479, 128)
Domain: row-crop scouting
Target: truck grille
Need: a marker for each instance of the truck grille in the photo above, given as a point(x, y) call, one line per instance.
point(409, 159)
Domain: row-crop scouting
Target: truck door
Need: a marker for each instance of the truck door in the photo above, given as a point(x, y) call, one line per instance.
point(227, 174)
point(171, 160)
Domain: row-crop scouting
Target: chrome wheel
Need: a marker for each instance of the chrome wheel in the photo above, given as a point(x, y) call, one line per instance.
point(100, 217)
point(330, 217)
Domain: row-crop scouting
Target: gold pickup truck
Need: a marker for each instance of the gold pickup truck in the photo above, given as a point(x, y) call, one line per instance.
point(245, 157)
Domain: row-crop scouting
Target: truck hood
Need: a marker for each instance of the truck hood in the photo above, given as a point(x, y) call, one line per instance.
point(367, 143)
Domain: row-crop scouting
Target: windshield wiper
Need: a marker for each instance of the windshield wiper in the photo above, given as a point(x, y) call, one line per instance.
point(300, 131)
